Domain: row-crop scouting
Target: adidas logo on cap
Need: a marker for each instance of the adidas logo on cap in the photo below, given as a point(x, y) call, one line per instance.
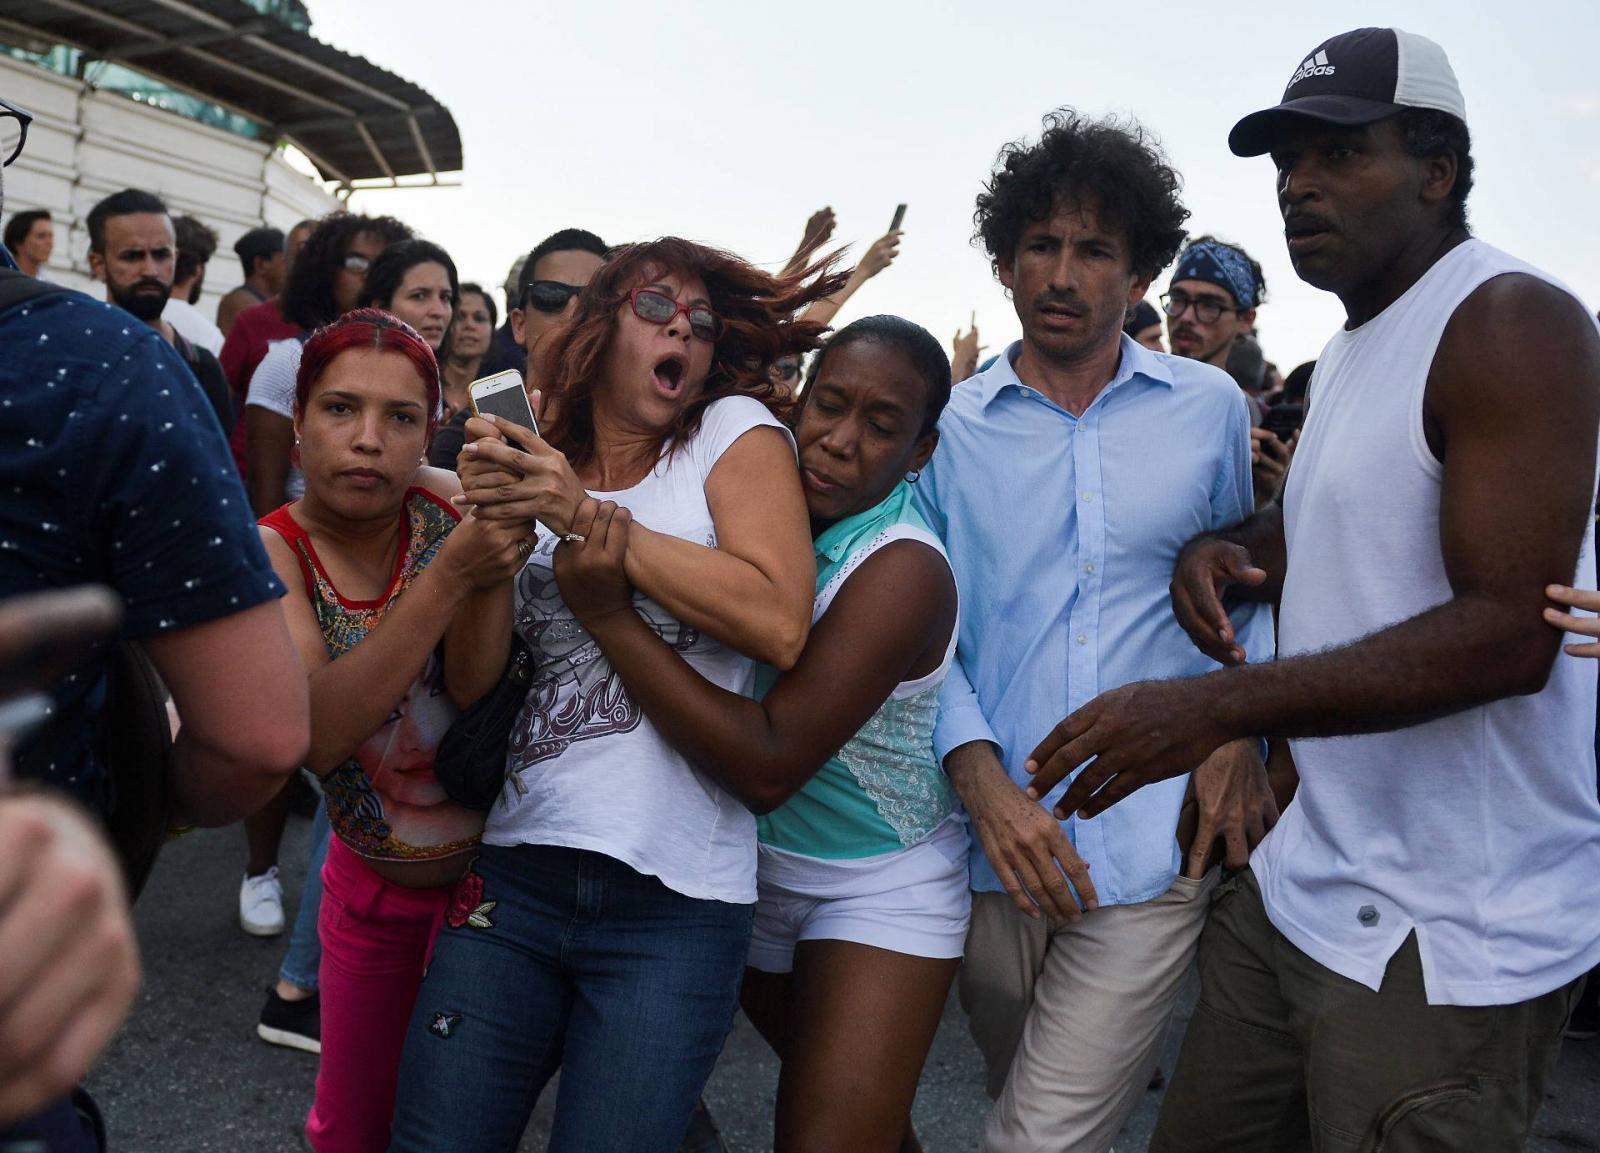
point(1314, 66)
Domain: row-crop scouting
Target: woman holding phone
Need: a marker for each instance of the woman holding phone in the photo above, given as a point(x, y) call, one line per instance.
point(620, 878)
point(864, 903)
point(401, 612)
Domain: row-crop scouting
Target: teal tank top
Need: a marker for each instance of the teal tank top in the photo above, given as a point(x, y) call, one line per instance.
point(884, 790)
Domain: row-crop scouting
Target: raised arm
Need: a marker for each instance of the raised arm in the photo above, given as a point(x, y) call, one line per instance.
point(894, 615)
point(1512, 408)
point(819, 227)
point(878, 257)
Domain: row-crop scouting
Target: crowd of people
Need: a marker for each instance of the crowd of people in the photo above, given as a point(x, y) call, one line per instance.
point(813, 672)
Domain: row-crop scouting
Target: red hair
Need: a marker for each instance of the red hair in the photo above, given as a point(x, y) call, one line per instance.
point(757, 307)
point(367, 328)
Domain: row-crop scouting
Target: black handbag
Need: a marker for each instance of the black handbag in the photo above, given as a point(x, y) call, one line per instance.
point(471, 762)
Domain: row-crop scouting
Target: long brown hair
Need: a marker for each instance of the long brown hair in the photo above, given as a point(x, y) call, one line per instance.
point(757, 307)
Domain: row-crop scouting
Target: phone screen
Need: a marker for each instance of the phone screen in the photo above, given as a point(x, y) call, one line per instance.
point(507, 403)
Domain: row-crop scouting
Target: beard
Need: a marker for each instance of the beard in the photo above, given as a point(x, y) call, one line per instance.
point(144, 298)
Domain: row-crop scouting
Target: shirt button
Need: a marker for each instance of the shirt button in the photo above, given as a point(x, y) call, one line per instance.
point(1028, 392)
point(1083, 639)
point(1088, 568)
point(1088, 496)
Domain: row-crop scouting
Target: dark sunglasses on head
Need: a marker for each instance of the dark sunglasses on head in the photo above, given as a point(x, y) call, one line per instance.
point(548, 295)
point(659, 308)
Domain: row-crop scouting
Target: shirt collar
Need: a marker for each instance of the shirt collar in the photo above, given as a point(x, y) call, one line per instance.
point(1137, 360)
point(839, 537)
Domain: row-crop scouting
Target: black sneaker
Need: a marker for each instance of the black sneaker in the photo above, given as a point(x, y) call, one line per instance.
point(293, 1024)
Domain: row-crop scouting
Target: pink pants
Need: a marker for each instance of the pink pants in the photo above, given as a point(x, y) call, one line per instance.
point(376, 940)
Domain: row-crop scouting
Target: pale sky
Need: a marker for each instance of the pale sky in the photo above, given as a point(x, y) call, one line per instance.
point(729, 122)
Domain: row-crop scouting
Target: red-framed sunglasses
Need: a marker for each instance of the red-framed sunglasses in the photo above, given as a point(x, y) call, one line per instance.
point(659, 308)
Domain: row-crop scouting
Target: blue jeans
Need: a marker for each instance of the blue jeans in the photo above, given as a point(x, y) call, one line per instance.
point(588, 966)
point(304, 958)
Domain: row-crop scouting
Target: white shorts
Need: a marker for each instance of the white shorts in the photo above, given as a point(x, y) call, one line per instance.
point(915, 901)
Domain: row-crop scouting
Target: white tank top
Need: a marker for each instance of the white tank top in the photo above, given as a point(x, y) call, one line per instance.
point(1481, 830)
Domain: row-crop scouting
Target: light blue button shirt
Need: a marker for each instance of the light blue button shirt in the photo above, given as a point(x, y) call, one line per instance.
point(1063, 532)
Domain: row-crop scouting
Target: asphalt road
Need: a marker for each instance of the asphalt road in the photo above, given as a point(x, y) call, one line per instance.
point(188, 1075)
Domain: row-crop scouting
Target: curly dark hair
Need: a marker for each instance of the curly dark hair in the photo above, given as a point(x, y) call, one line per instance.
point(1429, 132)
point(758, 309)
point(308, 297)
point(1116, 167)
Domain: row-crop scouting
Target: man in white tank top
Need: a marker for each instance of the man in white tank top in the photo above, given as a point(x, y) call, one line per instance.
point(1394, 970)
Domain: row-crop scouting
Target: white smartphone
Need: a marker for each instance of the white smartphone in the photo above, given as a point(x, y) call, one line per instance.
point(503, 397)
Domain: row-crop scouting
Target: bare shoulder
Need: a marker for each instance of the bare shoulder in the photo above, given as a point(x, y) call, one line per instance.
point(909, 577)
point(285, 561)
point(1517, 317)
point(1516, 340)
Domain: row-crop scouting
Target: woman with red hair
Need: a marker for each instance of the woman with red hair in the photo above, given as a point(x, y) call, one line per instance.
point(621, 877)
point(401, 612)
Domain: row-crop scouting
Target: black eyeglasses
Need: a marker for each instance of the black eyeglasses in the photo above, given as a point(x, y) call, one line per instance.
point(23, 118)
point(1206, 308)
point(548, 295)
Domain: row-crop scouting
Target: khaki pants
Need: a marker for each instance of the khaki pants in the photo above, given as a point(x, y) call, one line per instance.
point(1284, 1055)
point(1069, 1017)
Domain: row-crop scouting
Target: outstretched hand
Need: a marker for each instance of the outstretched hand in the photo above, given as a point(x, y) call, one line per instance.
point(1141, 733)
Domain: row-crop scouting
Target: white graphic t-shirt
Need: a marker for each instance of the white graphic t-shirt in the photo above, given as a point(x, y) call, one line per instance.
point(587, 769)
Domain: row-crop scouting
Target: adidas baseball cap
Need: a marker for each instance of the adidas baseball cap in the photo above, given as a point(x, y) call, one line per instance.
point(1356, 78)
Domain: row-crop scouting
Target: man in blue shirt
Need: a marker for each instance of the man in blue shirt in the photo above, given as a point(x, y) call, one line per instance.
point(113, 471)
point(1067, 477)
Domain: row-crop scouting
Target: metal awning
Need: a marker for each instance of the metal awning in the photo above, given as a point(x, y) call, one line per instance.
point(354, 120)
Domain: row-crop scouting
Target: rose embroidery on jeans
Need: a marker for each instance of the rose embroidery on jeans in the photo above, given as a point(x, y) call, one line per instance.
point(467, 906)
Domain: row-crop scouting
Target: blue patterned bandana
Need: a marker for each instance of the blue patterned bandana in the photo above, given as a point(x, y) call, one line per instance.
point(1220, 264)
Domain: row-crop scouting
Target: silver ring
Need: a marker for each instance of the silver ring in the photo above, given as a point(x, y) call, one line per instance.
point(573, 537)
point(525, 548)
